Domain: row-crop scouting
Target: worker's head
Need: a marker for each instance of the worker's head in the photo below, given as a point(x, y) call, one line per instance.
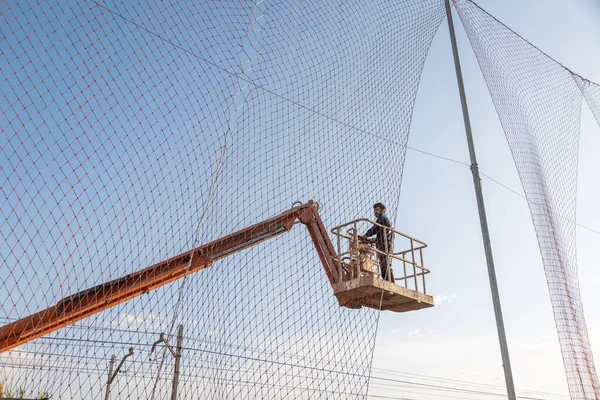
point(379, 209)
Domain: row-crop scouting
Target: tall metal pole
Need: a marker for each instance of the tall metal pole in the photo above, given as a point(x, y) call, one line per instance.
point(510, 386)
point(177, 361)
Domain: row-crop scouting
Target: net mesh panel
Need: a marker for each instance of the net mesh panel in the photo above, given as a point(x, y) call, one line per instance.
point(134, 131)
point(539, 106)
point(591, 93)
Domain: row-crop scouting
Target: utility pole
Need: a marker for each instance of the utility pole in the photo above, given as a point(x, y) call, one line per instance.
point(111, 375)
point(176, 353)
point(510, 386)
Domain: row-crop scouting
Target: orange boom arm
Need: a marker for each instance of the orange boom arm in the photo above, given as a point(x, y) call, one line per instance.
point(99, 298)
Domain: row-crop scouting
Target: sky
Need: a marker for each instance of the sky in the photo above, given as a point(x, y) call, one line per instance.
point(457, 339)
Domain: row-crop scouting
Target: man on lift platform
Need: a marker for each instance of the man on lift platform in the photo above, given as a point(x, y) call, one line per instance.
point(384, 242)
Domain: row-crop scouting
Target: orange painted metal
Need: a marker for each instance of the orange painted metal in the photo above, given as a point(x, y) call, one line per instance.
point(91, 301)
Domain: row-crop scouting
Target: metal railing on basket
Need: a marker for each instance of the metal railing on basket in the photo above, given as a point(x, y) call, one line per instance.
point(355, 255)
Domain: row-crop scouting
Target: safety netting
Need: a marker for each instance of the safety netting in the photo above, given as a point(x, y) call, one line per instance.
point(539, 105)
point(136, 131)
point(591, 93)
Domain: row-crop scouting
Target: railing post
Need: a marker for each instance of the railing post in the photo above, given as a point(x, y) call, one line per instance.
point(339, 248)
point(356, 229)
point(422, 271)
point(405, 274)
point(388, 247)
point(412, 252)
point(355, 253)
point(336, 232)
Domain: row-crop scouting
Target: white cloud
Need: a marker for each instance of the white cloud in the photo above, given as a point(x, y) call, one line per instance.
point(129, 321)
point(443, 298)
point(420, 332)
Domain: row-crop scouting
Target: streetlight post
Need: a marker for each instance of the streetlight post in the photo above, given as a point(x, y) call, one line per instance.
point(176, 353)
point(111, 375)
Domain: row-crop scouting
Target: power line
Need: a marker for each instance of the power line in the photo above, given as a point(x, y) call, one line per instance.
point(456, 381)
point(313, 368)
point(147, 374)
point(100, 343)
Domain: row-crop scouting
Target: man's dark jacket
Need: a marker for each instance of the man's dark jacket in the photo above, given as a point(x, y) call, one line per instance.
point(378, 231)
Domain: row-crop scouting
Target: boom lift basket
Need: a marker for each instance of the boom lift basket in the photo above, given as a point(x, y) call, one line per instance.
point(360, 269)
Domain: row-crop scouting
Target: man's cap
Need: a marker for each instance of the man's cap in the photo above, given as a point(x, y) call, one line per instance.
point(380, 205)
